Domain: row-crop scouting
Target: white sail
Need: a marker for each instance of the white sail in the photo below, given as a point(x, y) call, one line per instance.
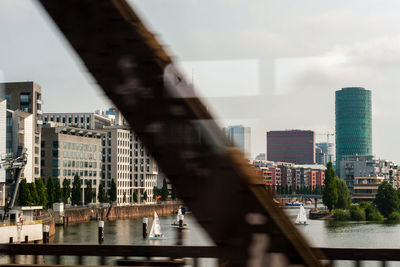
point(301, 216)
point(179, 213)
point(155, 227)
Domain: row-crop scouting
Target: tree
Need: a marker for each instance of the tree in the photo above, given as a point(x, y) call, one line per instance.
point(88, 192)
point(76, 193)
point(344, 199)
point(164, 190)
point(102, 197)
point(144, 197)
point(25, 198)
point(57, 193)
point(51, 193)
point(113, 191)
point(155, 192)
point(42, 192)
point(34, 194)
point(386, 200)
point(135, 196)
point(330, 194)
point(65, 191)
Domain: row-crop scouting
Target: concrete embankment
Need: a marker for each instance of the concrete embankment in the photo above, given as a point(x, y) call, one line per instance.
point(76, 215)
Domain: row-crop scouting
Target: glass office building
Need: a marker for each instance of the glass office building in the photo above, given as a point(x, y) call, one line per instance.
point(353, 123)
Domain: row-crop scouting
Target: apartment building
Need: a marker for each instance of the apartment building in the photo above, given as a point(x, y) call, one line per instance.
point(24, 101)
point(88, 121)
point(67, 151)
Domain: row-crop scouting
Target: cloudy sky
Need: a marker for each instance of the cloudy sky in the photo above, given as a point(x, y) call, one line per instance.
point(269, 65)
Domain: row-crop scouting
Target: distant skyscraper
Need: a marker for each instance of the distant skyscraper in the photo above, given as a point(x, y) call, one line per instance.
point(241, 137)
point(295, 146)
point(327, 151)
point(353, 123)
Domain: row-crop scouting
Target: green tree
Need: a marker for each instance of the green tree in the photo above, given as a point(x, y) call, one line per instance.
point(386, 200)
point(344, 199)
point(135, 196)
point(113, 191)
point(25, 198)
point(290, 190)
point(34, 194)
point(124, 197)
point(57, 193)
point(42, 192)
point(164, 190)
point(76, 192)
point(155, 192)
point(88, 192)
point(102, 197)
point(66, 191)
point(357, 213)
point(144, 197)
point(330, 194)
point(51, 193)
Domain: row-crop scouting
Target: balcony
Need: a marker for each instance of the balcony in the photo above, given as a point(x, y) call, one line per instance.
point(39, 111)
point(40, 122)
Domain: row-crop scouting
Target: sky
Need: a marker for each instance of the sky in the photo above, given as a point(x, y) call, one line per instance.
point(269, 65)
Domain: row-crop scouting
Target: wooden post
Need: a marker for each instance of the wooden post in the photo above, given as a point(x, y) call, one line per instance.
point(11, 240)
point(181, 220)
point(26, 239)
point(101, 232)
point(46, 234)
point(145, 221)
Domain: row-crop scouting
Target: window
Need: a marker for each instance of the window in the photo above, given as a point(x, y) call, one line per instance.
point(36, 170)
point(55, 172)
point(24, 100)
point(8, 98)
point(54, 163)
point(55, 144)
point(37, 150)
point(36, 160)
point(37, 139)
point(56, 153)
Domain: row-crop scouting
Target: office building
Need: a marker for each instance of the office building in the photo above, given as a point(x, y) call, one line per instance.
point(67, 151)
point(353, 123)
point(240, 136)
point(24, 101)
point(366, 188)
point(3, 143)
point(127, 161)
point(294, 146)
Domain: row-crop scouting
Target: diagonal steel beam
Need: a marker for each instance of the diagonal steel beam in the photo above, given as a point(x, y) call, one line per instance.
point(210, 176)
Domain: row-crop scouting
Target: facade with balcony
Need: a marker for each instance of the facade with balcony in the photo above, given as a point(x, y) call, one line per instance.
point(366, 188)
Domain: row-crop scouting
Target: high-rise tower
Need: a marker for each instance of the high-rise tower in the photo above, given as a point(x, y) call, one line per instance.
point(353, 123)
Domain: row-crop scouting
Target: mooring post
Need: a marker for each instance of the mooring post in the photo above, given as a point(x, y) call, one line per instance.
point(316, 202)
point(26, 239)
point(101, 232)
point(11, 239)
point(46, 234)
point(145, 221)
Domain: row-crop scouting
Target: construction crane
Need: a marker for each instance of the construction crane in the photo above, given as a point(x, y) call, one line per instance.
point(327, 134)
point(14, 163)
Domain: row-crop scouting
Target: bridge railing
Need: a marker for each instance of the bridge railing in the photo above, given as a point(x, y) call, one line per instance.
point(130, 254)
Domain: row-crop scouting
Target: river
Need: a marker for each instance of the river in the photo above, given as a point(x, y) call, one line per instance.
point(318, 233)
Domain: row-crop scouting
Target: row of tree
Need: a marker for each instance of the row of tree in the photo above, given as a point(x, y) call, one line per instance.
point(38, 193)
point(288, 190)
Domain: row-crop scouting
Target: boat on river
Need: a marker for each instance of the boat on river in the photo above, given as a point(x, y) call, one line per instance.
point(156, 232)
point(301, 217)
point(178, 216)
point(294, 204)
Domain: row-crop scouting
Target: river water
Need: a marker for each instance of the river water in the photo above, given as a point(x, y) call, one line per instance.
point(318, 233)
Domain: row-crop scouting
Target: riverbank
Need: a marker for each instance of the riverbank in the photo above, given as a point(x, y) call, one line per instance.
point(85, 214)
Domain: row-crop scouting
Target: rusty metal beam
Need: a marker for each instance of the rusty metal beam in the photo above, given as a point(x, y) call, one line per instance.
point(211, 177)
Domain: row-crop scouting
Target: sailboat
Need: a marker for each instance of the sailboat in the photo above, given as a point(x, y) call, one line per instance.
point(155, 232)
point(178, 215)
point(301, 217)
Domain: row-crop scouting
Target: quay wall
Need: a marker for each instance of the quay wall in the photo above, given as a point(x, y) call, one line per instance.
point(18, 233)
point(76, 215)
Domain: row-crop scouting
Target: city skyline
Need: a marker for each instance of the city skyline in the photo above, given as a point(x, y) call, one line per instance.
point(291, 83)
